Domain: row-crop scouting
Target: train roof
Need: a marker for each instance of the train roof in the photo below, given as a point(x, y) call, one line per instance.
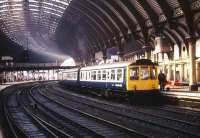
point(112, 65)
point(144, 62)
point(120, 64)
point(70, 70)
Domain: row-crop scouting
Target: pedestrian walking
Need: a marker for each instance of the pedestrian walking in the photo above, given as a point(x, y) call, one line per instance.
point(162, 80)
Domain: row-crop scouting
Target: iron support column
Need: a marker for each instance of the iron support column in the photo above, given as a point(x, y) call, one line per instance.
point(182, 72)
point(174, 73)
point(192, 64)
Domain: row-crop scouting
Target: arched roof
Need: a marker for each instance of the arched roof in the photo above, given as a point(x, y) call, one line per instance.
point(105, 22)
point(143, 20)
point(20, 18)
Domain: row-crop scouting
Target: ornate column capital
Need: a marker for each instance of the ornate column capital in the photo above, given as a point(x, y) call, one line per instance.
point(191, 39)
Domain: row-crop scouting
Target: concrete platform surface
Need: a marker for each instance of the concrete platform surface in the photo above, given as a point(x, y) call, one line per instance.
point(183, 92)
point(3, 86)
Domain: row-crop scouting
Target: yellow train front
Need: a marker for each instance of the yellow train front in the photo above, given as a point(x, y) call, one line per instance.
point(142, 79)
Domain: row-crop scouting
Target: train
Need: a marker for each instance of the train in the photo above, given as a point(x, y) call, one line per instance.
point(122, 78)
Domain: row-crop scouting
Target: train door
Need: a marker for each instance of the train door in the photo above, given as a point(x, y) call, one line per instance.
point(104, 78)
point(154, 76)
point(107, 78)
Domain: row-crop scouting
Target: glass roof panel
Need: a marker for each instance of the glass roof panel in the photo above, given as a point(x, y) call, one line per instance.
point(19, 17)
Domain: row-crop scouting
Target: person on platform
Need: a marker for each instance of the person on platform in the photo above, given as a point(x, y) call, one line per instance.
point(162, 80)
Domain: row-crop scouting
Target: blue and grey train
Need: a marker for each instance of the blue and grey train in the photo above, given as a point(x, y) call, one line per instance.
point(123, 77)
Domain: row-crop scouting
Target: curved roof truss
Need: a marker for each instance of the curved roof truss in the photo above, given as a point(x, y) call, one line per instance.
point(106, 23)
point(20, 18)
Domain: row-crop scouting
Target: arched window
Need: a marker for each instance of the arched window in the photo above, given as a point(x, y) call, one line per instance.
point(198, 48)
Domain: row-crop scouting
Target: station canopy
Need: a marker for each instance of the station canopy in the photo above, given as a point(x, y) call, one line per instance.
point(105, 23)
point(19, 19)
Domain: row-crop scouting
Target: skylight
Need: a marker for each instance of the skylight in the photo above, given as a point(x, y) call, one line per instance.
point(21, 15)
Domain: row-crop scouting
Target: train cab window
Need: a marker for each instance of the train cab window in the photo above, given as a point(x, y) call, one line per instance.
point(119, 74)
point(99, 75)
point(104, 75)
point(144, 73)
point(134, 73)
point(153, 73)
point(112, 75)
point(93, 75)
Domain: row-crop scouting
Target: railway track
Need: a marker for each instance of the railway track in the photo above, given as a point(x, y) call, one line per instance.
point(184, 112)
point(179, 126)
point(63, 124)
point(166, 111)
point(99, 125)
point(165, 107)
point(45, 110)
point(22, 122)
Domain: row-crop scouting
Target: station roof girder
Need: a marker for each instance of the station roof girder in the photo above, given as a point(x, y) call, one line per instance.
point(105, 22)
point(143, 20)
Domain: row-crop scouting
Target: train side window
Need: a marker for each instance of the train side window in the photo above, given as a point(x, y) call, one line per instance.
point(153, 73)
point(66, 76)
point(85, 75)
point(104, 75)
point(112, 74)
point(93, 75)
point(144, 73)
point(99, 75)
point(89, 75)
point(70, 76)
point(108, 74)
point(81, 75)
point(75, 75)
point(134, 73)
point(119, 74)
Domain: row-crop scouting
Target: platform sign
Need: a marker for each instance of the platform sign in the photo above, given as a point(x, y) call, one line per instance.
point(115, 57)
point(162, 45)
point(99, 55)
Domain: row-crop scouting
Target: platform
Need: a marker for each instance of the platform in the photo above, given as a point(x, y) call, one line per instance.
point(3, 86)
point(182, 92)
